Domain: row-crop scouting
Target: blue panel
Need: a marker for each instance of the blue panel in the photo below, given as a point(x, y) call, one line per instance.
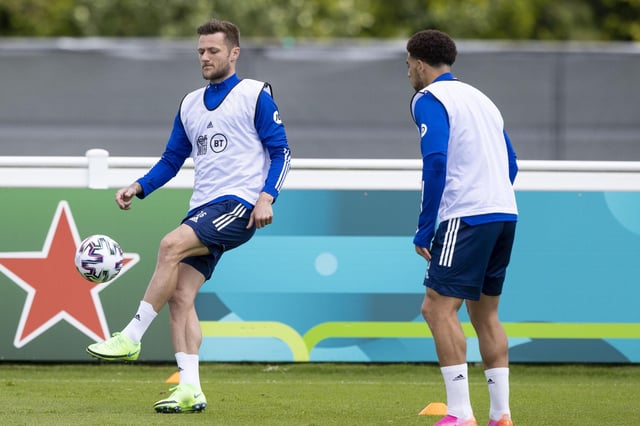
point(348, 256)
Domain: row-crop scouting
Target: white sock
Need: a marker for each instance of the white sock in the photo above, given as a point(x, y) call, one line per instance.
point(498, 383)
point(188, 366)
point(456, 382)
point(140, 322)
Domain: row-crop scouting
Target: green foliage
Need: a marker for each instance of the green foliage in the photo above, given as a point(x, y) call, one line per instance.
point(619, 19)
point(301, 19)
point(37, 18)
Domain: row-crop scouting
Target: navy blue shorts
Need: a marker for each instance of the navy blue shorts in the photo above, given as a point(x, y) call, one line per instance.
point(221, 226)
point(469, 260)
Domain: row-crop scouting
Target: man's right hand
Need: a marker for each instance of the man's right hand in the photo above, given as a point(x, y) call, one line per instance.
point(424, 252)
point(124, 197)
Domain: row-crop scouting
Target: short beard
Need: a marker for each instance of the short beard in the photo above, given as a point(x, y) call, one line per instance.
point(216, 74)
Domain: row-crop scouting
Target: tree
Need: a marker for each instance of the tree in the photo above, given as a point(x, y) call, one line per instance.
point(302, 19)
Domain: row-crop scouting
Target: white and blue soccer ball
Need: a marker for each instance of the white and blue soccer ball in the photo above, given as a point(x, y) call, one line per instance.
point(99, 258)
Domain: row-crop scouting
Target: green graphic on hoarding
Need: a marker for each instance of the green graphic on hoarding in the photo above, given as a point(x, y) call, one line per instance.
point(302, 346)
point(44, 301)
point(276, 330)
point(55, 290)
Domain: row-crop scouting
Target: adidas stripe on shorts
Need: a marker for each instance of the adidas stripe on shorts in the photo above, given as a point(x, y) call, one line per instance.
point(220, 226)
point(467, 261)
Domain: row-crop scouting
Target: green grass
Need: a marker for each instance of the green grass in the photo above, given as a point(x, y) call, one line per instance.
point(309, 394)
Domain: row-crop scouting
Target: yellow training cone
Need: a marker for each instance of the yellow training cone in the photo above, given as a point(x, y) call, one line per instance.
point(174, 378)
point(434, 409)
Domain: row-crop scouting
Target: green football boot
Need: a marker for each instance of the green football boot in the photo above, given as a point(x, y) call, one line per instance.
point(184, 399)
point(116, 347)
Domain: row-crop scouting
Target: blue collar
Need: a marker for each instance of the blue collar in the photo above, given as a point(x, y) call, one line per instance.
point(225, 85)
point(444, 77)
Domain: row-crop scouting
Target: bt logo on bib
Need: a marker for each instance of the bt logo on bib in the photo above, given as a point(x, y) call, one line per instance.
point(218, 142)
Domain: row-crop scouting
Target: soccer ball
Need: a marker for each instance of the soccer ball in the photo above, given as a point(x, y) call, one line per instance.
point(99, 258)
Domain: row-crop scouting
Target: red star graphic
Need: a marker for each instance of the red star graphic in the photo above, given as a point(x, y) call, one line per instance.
point(55, 289)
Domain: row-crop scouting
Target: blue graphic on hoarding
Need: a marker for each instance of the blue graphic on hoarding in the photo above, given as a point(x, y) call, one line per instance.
point(336, 278)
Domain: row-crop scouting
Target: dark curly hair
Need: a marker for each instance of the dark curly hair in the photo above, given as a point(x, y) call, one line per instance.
point(230, 30)
point(433, 47)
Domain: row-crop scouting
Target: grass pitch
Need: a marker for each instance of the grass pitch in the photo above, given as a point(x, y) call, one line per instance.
point(309, 394)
